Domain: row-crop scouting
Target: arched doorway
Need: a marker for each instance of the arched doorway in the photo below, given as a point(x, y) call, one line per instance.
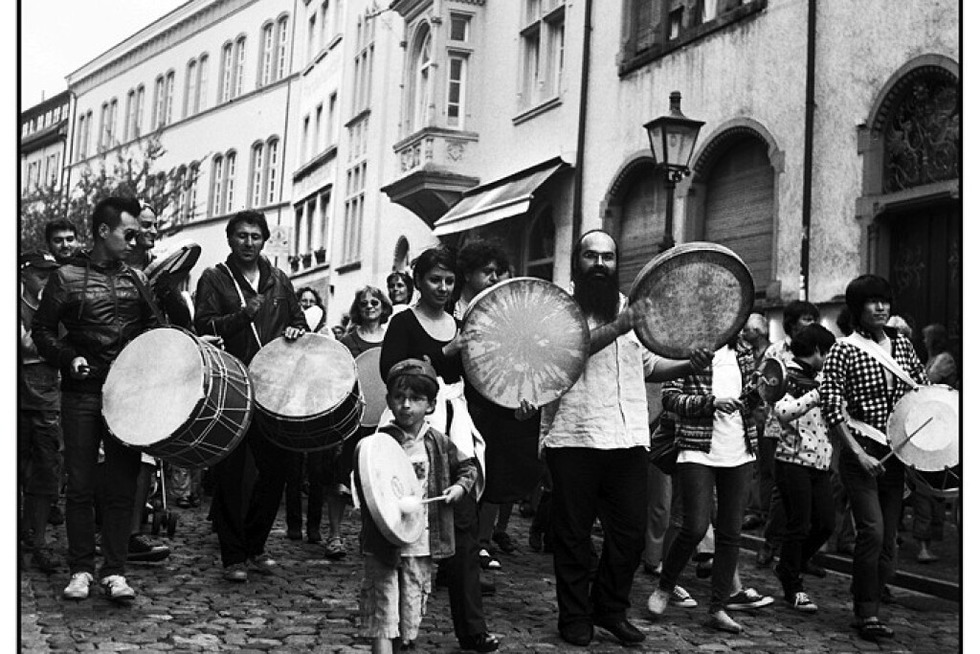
point(635, 216)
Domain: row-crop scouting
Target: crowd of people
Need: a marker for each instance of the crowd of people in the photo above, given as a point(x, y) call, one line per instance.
point(800, 466)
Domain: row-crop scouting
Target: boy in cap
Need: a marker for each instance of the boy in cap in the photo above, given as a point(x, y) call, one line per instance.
point(398, 579)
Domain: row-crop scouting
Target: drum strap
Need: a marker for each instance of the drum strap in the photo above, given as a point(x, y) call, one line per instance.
point(874, 350)
point(241, 297)
point(143, 291)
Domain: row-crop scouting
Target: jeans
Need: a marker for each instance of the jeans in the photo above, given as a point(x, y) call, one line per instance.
point(611, 485)
point(876, 503)
point(465, 600)
point(39, 431)
point(929, 516)
point(696, 484)
point(243, 522)
point(772, 503)
point(658, 515)
point(315, 462)
point(84, 431)
point(808, 500)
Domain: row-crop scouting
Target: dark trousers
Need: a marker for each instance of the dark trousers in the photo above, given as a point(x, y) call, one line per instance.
point(243, 522)
point(772, 502)
point(84, 431)
point(876, 503)
point(697, 484)
point(610, 485)
point(314, 499)
point(465, 600)
point(808, 500)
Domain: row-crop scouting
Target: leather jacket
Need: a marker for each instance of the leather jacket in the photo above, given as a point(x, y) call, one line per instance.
point(219, 310)
point(101, 310)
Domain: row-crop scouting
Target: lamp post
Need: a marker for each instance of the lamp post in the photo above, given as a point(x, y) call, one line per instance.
point(672, 140)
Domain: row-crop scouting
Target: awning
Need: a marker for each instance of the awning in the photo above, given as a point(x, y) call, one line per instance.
point(503, 198)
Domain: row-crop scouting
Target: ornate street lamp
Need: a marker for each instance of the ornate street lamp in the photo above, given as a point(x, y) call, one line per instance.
point(672, 140)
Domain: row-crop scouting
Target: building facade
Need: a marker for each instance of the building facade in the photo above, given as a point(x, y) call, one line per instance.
point(44, 144)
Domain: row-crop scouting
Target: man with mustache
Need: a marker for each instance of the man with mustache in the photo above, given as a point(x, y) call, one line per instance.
point(595, 440)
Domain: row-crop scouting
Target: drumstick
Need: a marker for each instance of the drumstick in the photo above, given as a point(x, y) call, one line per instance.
point(905, 440)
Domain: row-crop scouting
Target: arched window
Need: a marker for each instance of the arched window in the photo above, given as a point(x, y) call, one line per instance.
point(422, 79)
point(217, 182)
point(256, 167)
point(282, 39)
point(224, 92)
point(272, 163)
point(239, 77)
point(267, 52)
point(201, 101)
point(190, 88)
point(230, 161)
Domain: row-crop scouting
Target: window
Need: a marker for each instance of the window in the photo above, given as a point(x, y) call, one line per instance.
point(103, 115)
point(459, 28)
point(193, 172)
point(656, 26)
point(190, 88)
point(230, 160)
point(226, 72)
point(324, 230)
point(255, 194)
point(422, 79)
point(239, 78)
point(281, 42)
point(456, 90)
point(543, 50)
point(305, 143)
point(201, 101)
point(324, 34)
point(180, 181)
point(138, 112)
point(363, 63)
point(217, 181)
point(84, 126)
point(268, 52)
point(54, 162)
point(110, 135)
point(168, 105)
point(128, 116)
point(159, 101)
point(272, 161)
point(332, 119)
point(540, 246)
point(353, 213)
point(311, 38)
point(317, 123)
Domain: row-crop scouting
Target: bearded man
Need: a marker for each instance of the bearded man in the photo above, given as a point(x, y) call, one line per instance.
point(595, 440)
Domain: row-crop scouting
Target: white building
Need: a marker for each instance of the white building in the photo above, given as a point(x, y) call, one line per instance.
point(44, 143)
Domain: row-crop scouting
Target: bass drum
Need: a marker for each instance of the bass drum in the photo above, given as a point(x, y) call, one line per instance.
point(306, 393)
point(700, 296)
point(173, 396)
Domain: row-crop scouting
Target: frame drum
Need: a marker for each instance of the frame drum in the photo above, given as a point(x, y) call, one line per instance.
point(372, 386)
point(173, 396)
point(306, 394)
point(386, 476)
point(174, 268)
point(524, 338)
point(701, 293)
point(931, 415)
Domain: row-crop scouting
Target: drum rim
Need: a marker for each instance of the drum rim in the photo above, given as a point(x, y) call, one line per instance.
point(684, 249)
point(537, 281)
point(782, 372)
point(366, 354)
point(191, 250)
point(369, 501)
point(895, 431)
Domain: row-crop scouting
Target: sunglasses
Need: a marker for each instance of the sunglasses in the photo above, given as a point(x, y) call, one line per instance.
point(365, 304)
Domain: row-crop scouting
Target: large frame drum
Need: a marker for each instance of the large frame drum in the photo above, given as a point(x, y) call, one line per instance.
point(306, 392)
point(387, 476)
point(373, 388)
point(524, 338)
point(701, 295)
point(173, 396)
point(924, 432)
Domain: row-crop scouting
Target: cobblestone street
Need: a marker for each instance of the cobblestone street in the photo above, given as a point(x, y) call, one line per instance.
point(183, 604)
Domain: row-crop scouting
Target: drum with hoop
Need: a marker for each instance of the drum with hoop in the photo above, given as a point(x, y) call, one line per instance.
point(173, 263)
point(700, 296)
point(373, 387)
point(769, 382)
point(175, 397)
point(387, 476)
point(524, 338)
point(924, 433)
point(306, 394)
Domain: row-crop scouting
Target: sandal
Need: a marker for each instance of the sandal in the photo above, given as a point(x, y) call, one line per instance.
point(872, 629)
point(335, 549)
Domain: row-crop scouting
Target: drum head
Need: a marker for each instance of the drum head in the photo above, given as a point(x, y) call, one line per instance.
point(772, 384)
point(303, 378)
point(524, 338)
point(175, 266)
point(386, 476)
point(372, 386)
point(936, 446)
point(153, 386)
point(701, 295)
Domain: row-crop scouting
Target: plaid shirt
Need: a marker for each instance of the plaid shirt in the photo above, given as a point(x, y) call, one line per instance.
point(690, 400)
point(853, 378)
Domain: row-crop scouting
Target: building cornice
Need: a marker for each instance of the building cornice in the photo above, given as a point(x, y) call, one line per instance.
point(156, 38)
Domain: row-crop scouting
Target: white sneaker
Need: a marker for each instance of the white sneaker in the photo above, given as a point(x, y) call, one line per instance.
point(802, 602)
point(681, 598)
point(746, 599)
point(116, 588)
point(78, 587)
point(657, 603)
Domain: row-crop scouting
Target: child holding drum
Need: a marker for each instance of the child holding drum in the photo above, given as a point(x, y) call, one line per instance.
point(398, 578)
